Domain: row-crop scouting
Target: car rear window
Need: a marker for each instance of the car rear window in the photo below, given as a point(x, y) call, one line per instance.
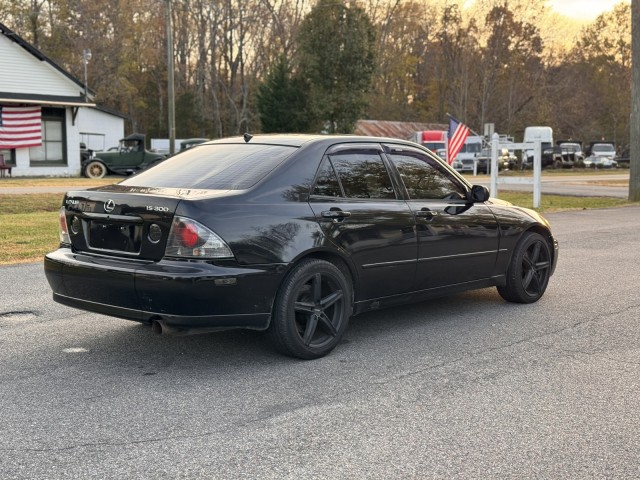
point(603, 147)
point(214, 167)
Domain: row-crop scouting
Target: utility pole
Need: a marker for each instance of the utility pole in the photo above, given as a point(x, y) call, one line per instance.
point(634, 137)
point(170, 90)
point(86, 56)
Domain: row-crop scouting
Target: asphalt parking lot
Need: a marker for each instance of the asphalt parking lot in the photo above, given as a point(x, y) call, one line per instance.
point(466, 386)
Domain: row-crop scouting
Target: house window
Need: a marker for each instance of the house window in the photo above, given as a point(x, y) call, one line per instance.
point(52, 151)
point(9, 157)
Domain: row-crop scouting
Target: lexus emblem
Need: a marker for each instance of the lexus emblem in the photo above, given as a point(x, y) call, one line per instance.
point(109, 205)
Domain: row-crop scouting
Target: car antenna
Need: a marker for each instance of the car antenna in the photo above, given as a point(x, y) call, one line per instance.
point(247, 137)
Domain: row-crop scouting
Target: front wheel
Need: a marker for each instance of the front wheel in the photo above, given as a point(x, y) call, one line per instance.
point(311, 310)
point(529, 270)
point(95, 169)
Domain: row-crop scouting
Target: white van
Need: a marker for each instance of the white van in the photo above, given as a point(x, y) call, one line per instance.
point(545, 136)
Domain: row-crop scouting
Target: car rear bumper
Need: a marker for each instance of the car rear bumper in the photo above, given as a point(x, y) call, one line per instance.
point(182, 296)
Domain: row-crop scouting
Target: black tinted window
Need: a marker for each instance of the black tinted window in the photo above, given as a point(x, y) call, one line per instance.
point(423, 177)
point(214, 167)
point(363, 175)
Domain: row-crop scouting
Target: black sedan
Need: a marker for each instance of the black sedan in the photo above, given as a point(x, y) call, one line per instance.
point(293, 235)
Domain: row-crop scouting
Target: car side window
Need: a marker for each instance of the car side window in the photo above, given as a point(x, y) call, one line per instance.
point(327, 184)
point(423, 178)
point(363, 174)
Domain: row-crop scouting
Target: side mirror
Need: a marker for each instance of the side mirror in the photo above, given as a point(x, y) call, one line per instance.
point(478, 194)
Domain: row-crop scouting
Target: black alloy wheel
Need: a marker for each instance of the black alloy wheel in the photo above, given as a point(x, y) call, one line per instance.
point(312, 310)
point(529, 270)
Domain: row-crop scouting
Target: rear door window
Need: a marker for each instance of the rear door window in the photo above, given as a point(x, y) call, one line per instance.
point(362, 174)
point(214, 167)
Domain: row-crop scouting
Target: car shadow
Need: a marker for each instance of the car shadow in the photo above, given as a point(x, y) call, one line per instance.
point(152, 353)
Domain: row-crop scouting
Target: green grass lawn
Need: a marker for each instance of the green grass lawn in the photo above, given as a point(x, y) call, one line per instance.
point(550, 203)
point(29, 226)
point(30, 221)
point(28, 237)
point(56, 181)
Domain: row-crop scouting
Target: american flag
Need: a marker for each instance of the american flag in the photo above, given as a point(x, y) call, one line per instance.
point(458, 133)
point(20, 127)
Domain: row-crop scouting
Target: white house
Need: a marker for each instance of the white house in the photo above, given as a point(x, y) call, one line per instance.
point(35, 90)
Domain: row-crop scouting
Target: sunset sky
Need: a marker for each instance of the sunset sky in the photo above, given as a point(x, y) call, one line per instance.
point(582, 9)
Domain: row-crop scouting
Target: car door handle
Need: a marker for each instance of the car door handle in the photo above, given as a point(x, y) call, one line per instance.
point(335, 214)
point(426, 214)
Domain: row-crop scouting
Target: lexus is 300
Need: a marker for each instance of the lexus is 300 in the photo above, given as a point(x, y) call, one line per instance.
point(293, 235)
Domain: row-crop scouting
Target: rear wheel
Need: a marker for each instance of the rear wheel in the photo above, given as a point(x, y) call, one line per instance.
point(95, 169)
point(311, 310)
point(529, 270)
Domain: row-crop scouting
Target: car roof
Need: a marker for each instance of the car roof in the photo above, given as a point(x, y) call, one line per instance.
point(134, 136)
point(298, 140)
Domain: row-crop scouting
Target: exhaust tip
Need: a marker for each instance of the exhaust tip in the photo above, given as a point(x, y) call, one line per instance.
point(156, 327)
point(159, 326)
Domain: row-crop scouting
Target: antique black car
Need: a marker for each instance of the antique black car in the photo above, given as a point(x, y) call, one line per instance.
point(130, 157)
point(292, 235)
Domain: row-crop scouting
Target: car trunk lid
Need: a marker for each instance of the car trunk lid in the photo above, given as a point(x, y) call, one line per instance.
point(120, 222)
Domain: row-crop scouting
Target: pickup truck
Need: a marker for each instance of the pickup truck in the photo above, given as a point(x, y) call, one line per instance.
point(551, 157)
point(130, 157)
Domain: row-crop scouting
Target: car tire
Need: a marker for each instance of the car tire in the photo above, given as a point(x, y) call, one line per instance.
point(95, 169)
point(557, 164)
point(529, 270)
point(312, 310)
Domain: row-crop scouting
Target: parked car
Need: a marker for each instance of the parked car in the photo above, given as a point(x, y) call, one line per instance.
point(551, 157)
point(291, 234)
point(506, 160)
point(572, 154)
point(624, 159)
point(466, 156)
point(130, 158)
point(602, 149)
point(600, 161)
point(484, 161)
point(85, 153)
point(191, 142)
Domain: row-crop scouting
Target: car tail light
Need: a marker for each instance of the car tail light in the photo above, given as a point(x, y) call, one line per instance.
point(64, 229)
point(190, 239)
